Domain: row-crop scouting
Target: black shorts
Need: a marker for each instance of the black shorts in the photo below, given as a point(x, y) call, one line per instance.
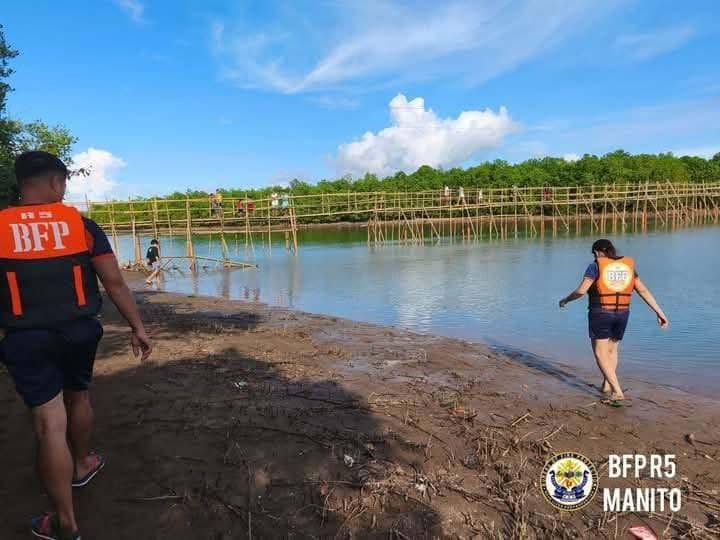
point(44, 362)
point(607, 324)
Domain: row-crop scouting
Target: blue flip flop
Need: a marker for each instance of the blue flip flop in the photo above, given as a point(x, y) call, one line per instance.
point(85, 480)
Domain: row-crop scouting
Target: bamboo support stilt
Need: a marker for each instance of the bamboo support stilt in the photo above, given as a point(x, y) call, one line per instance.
point(137, 250)
point(169, 219)
point(113, 229)
point(189, 247)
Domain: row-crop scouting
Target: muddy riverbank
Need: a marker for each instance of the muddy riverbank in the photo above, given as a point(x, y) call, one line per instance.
point(262, 422)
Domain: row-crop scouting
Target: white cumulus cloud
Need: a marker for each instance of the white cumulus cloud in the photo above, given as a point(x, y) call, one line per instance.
point(571, 157)
point(418, 137)
point(134, 8)
point(102, 167)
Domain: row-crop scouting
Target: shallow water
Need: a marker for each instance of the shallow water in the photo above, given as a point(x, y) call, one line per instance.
point(500, 292)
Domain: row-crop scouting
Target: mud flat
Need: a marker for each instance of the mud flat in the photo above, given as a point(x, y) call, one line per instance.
point(261, 422)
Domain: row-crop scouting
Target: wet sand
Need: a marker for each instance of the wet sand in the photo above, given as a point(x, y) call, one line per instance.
point(254, 421)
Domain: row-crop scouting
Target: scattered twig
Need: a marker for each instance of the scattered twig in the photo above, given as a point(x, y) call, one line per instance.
point(523, 417)
point(553, 433)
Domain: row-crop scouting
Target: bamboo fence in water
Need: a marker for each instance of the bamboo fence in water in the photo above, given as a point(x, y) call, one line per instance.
point(417, 217)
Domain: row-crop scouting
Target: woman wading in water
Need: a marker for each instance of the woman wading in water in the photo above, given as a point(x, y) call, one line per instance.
point(610, 282)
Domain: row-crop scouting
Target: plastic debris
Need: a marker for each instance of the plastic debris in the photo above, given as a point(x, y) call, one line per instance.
point(643, 532)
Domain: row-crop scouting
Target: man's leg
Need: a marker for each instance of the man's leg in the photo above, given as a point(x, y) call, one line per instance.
point(54, 462)
point(82, 338)
point(80, 426)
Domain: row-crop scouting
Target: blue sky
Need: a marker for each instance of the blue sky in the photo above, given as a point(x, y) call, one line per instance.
point(170, 95)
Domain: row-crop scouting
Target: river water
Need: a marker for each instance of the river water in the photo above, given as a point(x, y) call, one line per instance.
point(503, 293)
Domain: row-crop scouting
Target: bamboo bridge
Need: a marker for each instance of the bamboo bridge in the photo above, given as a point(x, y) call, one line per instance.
point(418, 217)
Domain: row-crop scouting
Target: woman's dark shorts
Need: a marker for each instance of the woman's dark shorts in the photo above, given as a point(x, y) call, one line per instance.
point(44, 362)
point(607, 324)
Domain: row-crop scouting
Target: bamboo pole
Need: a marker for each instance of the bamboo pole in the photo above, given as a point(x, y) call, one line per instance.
point(155, 219)
point(169, 219)
point(577, 212)
point(269, 229)
point(137, 252)
point(113, 228)
point(515, 209)
point(223, 244)
point(645, 203)
point(189, 247)
point(293, 225)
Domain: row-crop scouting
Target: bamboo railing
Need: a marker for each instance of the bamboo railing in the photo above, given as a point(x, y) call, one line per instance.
point(423, 215)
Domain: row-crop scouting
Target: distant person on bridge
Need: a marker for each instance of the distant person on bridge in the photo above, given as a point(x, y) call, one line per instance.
point(239, 208)
point(610, 281)
point(50, 261)
point(244, 207)
point(216, 201)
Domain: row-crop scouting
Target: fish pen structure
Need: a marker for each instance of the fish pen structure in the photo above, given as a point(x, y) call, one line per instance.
point(419, 217)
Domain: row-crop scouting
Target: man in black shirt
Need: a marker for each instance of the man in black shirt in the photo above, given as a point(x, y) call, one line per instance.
point(51, 257)
point(153, 261)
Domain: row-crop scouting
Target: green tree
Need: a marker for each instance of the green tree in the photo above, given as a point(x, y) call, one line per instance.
point(8, 129)
point(6, 54)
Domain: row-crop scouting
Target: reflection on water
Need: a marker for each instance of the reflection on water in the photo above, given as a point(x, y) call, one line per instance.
point(503, 293)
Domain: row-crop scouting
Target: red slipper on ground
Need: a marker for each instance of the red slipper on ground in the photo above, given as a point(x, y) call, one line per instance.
point(85, 480)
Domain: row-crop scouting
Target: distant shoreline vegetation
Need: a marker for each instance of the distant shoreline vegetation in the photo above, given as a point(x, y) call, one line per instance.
point(617, 167)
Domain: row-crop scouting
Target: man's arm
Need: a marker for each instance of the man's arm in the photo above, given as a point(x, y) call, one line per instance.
point(646, 295)
point(581, 291)
point(109, 273)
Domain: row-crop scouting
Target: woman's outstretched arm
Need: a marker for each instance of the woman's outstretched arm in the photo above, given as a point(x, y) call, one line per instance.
point(581, 291)
point(646, 295)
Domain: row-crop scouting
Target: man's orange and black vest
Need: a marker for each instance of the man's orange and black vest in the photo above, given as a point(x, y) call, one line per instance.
point(46, 275)
point(614, 286)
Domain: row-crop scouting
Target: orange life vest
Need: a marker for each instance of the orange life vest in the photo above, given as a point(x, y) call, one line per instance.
point(615, 283)
point(46, 275)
